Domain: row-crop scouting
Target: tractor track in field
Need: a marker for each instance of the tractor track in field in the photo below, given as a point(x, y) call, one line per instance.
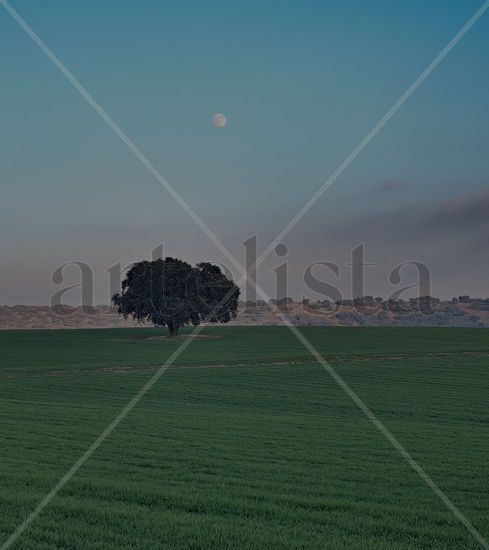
point(303, 360)
point(130, 369)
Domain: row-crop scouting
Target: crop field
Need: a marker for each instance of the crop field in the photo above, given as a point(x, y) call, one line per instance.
point(245, 442)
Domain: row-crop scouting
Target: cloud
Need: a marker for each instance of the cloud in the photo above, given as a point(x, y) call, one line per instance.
point(393, 185)
point(439, 228)
point(466, 214)
point(465, 210)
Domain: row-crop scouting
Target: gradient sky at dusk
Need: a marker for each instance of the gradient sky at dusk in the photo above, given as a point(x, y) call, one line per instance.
point(301, 84)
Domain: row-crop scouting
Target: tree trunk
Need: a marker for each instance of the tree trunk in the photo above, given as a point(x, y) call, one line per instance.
point(172, 330)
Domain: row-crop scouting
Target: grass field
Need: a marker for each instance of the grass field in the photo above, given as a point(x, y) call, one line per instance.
point(245, 443)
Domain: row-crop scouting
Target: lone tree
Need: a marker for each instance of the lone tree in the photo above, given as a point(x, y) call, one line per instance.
point(174, 294)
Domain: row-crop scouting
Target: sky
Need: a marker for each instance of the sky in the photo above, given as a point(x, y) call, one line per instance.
point(301, 84)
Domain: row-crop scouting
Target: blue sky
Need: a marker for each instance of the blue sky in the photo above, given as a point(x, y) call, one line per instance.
point(301, 84)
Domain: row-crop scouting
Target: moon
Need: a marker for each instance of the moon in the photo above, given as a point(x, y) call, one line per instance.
point(219, 120)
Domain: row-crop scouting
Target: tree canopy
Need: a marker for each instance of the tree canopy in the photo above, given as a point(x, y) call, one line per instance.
point(172, 293)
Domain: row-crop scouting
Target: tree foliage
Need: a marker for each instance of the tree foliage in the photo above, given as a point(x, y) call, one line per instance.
point(172, 293)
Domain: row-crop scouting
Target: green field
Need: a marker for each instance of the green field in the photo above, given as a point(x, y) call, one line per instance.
point(245, 442)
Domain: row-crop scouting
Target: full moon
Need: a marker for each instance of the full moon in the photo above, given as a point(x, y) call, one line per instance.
point(219, 120)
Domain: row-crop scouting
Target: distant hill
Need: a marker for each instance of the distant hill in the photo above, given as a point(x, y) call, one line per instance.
point(368, 311)
point(45, 317)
